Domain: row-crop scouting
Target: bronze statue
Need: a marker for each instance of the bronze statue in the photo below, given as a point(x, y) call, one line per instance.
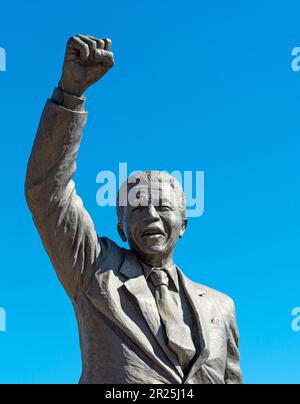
point(141, 320)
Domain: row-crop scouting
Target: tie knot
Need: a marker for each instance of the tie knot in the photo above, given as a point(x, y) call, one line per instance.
point(159, 277)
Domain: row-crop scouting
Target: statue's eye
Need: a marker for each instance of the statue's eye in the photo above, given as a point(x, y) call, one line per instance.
point(137, 208)
point(164, 208)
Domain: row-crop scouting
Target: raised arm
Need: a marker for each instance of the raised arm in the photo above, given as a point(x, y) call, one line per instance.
point(64, 225)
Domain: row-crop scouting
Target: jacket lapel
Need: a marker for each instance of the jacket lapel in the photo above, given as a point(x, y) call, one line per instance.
point(196, 296)
point(137, 286)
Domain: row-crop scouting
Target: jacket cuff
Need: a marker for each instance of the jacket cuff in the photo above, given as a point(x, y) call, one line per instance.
point(68, 101)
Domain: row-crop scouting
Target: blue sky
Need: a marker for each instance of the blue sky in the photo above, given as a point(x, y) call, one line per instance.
point(205, 86)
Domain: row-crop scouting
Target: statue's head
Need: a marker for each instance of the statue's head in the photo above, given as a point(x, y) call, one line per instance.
point(151, 212)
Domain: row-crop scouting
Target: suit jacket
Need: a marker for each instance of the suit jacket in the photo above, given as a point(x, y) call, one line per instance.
point(119, 326)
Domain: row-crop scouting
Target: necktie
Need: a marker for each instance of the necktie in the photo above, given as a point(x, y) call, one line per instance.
point(178, 333)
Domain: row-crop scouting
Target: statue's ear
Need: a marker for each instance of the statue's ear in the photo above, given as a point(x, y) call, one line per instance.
point(183, 228)
point(121, 232)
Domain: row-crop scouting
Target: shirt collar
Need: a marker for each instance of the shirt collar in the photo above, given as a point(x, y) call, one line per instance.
point(171, 271)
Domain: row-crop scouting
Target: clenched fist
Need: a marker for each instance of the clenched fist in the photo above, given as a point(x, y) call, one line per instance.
point(87, 59)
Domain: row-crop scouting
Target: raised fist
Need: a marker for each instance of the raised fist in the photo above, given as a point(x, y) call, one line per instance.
point(87, 59)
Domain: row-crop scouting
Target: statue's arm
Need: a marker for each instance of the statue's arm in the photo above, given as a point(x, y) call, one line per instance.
point(233, 374)
point(64, 225)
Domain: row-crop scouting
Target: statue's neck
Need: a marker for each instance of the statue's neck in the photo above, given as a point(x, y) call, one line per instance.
point(156, 261)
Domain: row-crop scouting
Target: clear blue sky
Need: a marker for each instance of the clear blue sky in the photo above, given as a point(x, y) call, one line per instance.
point(210, 86)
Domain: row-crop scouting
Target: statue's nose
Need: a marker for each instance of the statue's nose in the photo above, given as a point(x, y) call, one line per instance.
point(152, 213)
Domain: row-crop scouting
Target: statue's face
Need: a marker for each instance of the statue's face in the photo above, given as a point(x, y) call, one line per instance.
point(152, 222)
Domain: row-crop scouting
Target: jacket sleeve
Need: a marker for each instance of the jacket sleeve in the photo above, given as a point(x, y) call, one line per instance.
point(233, 373)
point(64, 225)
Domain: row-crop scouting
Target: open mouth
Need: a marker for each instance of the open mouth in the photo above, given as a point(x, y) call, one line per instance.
point(153, 232)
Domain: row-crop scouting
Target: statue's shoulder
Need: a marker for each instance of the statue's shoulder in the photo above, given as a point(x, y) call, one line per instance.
point(222, 301)
point(114, 256)
point(110, 252)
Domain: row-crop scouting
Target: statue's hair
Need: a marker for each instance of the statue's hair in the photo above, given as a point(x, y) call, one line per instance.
point(151, 176)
